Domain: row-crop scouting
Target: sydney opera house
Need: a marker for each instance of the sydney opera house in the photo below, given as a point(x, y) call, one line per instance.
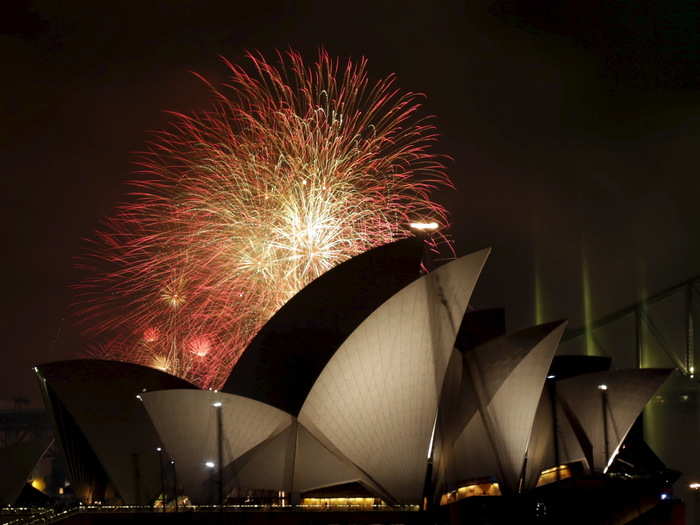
point(376, 385)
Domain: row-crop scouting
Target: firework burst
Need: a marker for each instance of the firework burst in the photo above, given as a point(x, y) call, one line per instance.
point(294, 169)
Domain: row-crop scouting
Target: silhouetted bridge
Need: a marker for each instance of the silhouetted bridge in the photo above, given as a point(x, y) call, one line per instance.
point(658, 331)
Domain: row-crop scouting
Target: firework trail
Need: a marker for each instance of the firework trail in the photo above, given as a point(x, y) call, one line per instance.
point(295, 168)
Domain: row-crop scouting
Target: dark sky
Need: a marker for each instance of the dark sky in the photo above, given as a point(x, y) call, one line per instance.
point(574, 128)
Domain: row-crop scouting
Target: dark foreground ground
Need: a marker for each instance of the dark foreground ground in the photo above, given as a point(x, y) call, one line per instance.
point(667, 513)
point(570, 502)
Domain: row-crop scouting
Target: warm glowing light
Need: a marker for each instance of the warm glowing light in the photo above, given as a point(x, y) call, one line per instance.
point(553, 474)
point(294, 168)
point(39, 484)
point(216, 404)
point(361, 502)
point(602, 387)
point(469, 491)
point(694, 486)
point(425, 226)
point(210, 464)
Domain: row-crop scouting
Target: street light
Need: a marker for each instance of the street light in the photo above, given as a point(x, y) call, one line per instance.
point(172, 463)
point(695, 487)
point(220, 450)
point(162, 476)
point(422, 231)
point(604, 405)
point(552, 388)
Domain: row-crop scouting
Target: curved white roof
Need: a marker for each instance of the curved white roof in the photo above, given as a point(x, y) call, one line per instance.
point(502, 383)
point(263, 447)
point(579, 418)
point(317, 466)
point(284, 359)
point(294, 461)
point(186, 421)
point(627, 391)
point(376, 399)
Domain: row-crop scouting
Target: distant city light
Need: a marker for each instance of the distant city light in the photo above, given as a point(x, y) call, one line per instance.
point(694, 485)
point(551, 376)
point(664, 496)
point(159, 449)
point(602, 387)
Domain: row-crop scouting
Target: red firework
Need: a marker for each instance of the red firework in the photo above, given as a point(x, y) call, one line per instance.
point(294, 169)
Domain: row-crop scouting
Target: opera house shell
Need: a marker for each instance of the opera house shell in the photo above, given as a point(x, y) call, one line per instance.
point(376, 380)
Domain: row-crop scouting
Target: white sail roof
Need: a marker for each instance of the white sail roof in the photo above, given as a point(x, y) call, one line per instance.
point(502, 383)
point(626, 393)
point(186, 421)
point(376, 399)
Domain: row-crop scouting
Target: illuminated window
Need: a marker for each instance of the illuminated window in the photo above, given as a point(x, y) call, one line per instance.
point(365, 502)
point(553, 474)
point(469, 491)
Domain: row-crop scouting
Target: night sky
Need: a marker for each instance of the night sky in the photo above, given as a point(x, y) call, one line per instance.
point(574, 129)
